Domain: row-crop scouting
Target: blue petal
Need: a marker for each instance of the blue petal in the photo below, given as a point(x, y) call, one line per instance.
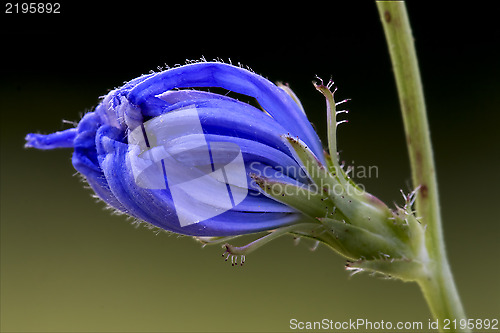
point(102, 155)
point(85, 154)
point(274, 100)
point(157, 207)
point(229, 223)
point(232, 119)
point(85, 159)
point(259, 160)
point(133, 199)
point(62, 139)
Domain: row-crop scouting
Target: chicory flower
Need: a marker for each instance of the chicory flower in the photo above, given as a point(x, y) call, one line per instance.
point(109, 148)
point(203, 164)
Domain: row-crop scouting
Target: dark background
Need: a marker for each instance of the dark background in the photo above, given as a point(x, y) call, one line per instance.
point(67, 265)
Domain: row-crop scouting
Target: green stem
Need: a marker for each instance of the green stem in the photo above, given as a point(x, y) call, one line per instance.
point(438, 286)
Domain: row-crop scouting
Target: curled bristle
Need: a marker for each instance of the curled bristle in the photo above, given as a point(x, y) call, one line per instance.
point(234, 258)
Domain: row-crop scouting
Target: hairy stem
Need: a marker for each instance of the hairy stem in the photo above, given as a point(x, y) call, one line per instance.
point(438, 286)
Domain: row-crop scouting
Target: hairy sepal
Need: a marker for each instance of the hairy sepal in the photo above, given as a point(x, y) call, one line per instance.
point(403, 268)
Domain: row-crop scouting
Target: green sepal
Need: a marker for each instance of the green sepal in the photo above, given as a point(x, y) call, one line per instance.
point(289, 92)
point(307, 199)
point(313, 167)
point(407, 228)
point(321, 234)
point(404, 269)
point(330, 177)
point(329, 161)
point(351, 202)
point(331, 115)
point(358, 242)
point(250, 247)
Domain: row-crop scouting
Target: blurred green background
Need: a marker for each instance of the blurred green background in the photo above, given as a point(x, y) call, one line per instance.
point(69, 266)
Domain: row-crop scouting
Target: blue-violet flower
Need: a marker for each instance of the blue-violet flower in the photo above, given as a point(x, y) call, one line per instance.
point(102, 141)
point(203, 164)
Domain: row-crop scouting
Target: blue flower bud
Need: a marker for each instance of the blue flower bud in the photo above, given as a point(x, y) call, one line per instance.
point(182, 159)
